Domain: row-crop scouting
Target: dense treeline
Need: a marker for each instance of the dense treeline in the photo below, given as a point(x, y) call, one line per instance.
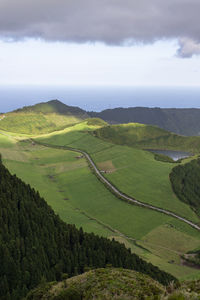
point(185, 181)
point(36, 245)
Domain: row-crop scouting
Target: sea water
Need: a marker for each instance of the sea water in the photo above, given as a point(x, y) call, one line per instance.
point(100, 98)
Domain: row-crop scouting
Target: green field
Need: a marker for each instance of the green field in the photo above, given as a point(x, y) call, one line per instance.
point(32, 123)
point(74, 192)
point(134, 172)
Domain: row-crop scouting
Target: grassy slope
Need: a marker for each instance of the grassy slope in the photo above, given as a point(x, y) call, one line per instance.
point(103, 284)
point(33, 123)
point(146, 136)
point(42, 118)
point(59, 175)
point(118, 284)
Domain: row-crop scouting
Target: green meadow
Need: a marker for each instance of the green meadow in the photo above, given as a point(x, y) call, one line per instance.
point(74, 192)
point(133, 171)
point(32, 123)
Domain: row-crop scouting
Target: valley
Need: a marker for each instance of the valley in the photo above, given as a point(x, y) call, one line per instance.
point(67, 183)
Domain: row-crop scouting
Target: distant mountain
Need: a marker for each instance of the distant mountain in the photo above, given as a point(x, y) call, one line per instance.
point(54, 115)
point(181, 121)
point(42, 118)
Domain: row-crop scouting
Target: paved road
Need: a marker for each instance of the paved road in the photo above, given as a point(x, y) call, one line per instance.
point(117, 192)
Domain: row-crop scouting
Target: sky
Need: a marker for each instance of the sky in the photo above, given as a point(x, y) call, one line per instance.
point(100, 43)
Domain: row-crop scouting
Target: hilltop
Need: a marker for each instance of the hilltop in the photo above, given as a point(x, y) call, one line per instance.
point(118, 284)
point(105, 284)
point(181, 121)
point(54, 106)
point(42, 118)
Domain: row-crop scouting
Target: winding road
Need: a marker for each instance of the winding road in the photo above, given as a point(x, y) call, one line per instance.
point(115, 191)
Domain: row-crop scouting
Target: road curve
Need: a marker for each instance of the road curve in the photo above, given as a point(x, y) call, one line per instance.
point(116, 191)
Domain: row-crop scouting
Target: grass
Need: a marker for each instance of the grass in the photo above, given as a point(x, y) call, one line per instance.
point(114, 284)
point(106, 284)
point(139, 175)
point(147, 136)
point(79, 198)
point(5, 141)
point(42, 118)
point(136, 173)
point(35, 123)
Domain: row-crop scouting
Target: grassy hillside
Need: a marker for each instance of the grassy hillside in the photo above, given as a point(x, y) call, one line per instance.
point(118, 284)
point(180, 121)
point(105, 284)
point(146, 136)
point(42, 118)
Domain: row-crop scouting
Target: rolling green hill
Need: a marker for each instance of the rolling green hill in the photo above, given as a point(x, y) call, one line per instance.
point(42, 118)
point(147, 136)
point(181, 121)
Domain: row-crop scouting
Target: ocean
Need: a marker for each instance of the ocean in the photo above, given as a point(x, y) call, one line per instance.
point(100, 98)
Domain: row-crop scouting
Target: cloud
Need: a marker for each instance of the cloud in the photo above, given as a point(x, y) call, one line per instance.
point(188, 48)
point(111, 21)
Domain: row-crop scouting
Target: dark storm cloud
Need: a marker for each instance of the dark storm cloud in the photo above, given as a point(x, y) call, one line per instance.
point(109, 21)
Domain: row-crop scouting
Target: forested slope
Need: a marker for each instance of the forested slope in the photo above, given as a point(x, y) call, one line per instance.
point(36, 245)
point(185, 181)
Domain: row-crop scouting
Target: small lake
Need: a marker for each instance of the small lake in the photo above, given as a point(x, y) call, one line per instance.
point(175, 155)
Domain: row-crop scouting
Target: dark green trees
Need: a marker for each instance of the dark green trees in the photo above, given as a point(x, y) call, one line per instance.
point(185, 182)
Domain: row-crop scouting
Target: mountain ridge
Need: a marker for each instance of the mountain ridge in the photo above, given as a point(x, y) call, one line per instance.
point(183, 121)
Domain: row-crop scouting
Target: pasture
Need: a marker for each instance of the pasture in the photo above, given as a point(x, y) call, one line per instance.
point(136, 172)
